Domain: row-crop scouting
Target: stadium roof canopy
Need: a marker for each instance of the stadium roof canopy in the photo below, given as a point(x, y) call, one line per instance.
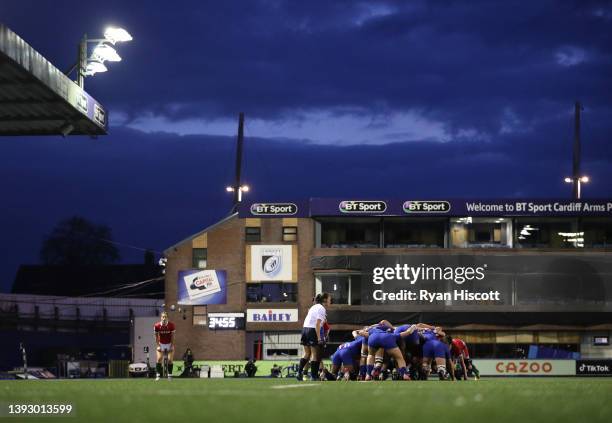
point(36, 98)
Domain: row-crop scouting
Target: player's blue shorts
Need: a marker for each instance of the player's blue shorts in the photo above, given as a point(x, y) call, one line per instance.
point(336, 358)
point(347, 357)
point(412, 339)
point(384, 340)
point(435, 349)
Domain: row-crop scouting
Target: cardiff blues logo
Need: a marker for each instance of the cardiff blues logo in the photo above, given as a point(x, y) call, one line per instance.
point(271, 264)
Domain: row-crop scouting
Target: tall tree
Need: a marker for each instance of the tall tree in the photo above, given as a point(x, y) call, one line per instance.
point(77, 241)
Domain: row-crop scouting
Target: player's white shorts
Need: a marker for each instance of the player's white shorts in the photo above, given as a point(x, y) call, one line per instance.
point(165, 347)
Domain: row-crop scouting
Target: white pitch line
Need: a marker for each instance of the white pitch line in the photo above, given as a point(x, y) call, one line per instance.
point(300, 385)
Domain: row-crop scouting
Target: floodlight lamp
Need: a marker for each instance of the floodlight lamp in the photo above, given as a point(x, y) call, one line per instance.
point(117, 35)
point(95, 67)
point(104, 52)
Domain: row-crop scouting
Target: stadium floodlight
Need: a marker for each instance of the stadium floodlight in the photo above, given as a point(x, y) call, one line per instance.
point(578, 181)
point(95, 67)
point(104, 52)
point(241, 189)
point(117, 35)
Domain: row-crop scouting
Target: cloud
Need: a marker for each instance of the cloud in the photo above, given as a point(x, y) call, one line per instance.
point(336, 127)
point(571, 56)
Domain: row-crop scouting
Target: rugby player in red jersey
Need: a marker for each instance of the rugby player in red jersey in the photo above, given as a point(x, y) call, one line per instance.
point(459, 351)
point(164, 338)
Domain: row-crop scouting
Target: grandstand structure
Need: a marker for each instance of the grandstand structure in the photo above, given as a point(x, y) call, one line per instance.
point(549, 260)
point(36, 98)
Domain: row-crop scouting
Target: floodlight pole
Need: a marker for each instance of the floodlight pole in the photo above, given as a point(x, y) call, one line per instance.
point(576, 162)
point(240, 142)
point(82, 62)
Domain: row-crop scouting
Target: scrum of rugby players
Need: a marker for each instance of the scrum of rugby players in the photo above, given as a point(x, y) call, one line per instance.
point(405, 352)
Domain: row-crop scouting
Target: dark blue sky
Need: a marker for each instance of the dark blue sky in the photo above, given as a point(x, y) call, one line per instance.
point(455, 99)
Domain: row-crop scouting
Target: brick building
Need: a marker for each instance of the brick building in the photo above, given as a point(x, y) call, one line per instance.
point(548, 260)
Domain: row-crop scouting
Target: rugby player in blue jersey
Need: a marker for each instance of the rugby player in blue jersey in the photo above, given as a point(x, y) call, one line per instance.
point(344, 360)
point(382, 339)
point(435, 350)
point(412, 346)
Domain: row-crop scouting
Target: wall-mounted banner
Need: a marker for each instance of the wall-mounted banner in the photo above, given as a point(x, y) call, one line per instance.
point(272, 315)
point(520, 282)
point(526, 367)
point(271, 263)
point(460, 207)
point(200, 287)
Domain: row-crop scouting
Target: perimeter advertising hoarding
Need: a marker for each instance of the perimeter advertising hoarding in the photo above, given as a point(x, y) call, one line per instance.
point(201, 287)
point(518, 367)
point(536, 282)
point(487, 367)
point(594, 367)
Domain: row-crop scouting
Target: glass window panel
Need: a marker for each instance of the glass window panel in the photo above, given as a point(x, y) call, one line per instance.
point(480, 232)
point(337, 286)
point(414, 233)
point(350, 233)
point(200, 256)
point(597, 232)
point(547, 233)
point(289, 233)
point(273, 292)
point(253, 234)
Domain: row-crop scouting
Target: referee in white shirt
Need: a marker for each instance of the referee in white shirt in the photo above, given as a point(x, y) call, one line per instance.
point(312, 339)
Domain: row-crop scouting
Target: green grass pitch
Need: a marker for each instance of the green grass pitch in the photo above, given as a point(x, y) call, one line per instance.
point(515, 400)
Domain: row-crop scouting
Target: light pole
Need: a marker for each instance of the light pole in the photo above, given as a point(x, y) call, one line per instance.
point(578, 181)
point(104, 51)
point(241, 189)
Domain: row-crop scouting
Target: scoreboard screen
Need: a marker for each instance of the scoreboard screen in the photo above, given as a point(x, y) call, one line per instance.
point(226, 321)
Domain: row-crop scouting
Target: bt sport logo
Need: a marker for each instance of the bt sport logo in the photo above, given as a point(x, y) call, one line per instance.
point(417, 206)
point(272, 209)
point(352, 206)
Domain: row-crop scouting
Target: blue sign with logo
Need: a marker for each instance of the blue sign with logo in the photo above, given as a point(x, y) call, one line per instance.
point(202, 287)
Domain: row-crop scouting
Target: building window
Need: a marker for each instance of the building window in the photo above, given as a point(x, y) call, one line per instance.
point(481, 232)
point(272, 292)
point(199, 316)
point(547, 233)
point(597, 232)
point(350, 233)
point(344, 289)
point(253, 234)
point(414, 233)
point(289, 233)
point(200, 256)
